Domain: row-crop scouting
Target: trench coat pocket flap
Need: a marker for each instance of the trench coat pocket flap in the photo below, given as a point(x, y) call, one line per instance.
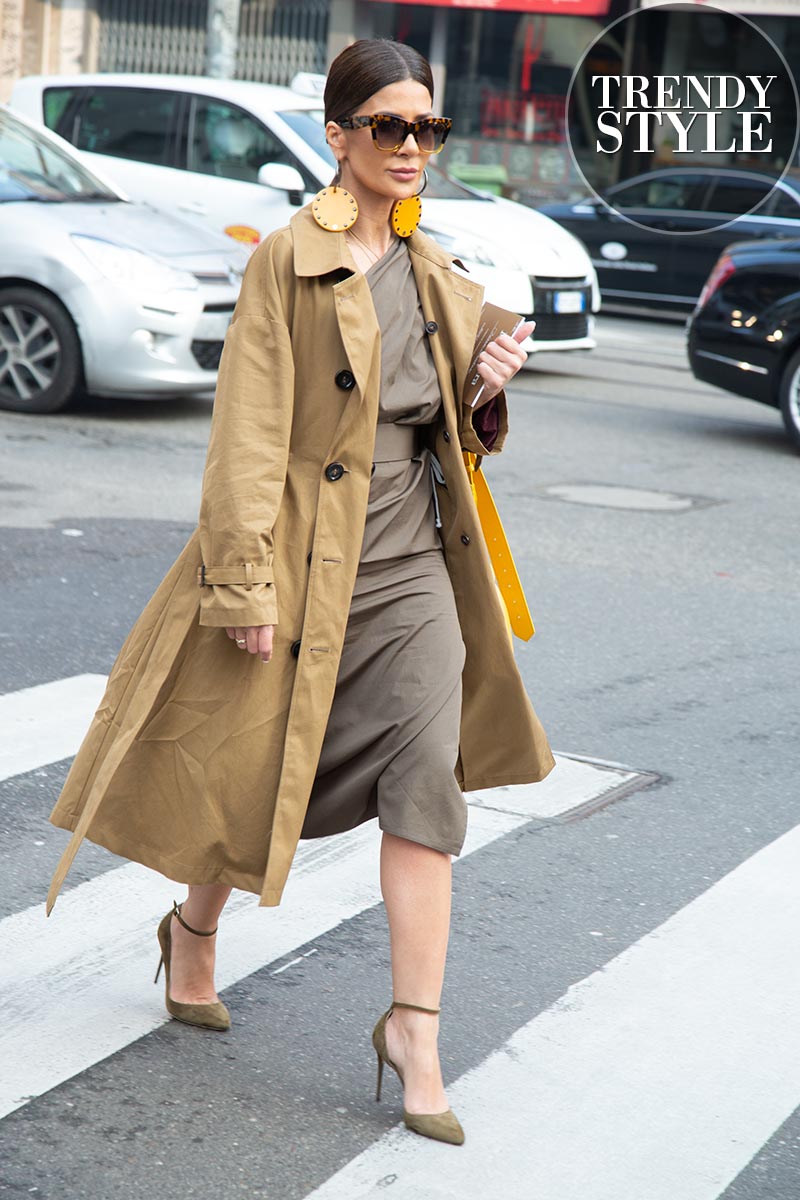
point(246, 574)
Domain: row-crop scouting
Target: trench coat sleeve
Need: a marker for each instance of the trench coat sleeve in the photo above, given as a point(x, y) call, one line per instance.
point(248, 451)
point(484, 429)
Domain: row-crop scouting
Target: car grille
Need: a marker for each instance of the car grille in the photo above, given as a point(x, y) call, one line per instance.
point(207, 354)
point(552, 326)
point(559, 327)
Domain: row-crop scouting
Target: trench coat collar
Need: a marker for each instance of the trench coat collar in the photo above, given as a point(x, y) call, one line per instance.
point(320, 252)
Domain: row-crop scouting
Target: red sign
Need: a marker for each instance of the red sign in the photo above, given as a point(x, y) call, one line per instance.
point(572, 8)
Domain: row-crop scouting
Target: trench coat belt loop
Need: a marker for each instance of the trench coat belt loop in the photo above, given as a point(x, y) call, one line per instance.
point(246, 574)
point(397, 443)
point(505, 571)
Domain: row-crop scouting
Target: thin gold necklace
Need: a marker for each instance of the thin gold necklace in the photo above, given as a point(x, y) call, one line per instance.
point(369, 250)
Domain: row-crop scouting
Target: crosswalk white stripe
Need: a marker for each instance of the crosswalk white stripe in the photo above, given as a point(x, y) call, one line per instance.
point(75, 988)
point(659, 1076)
point(573, 783)
point(78, 987)
point(43, 724)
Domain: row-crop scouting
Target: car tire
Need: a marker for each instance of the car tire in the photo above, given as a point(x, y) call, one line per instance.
point(790, 398)
point(41, 366)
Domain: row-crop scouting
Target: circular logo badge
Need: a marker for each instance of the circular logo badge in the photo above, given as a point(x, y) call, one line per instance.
point(614, 251)
point(677, 110)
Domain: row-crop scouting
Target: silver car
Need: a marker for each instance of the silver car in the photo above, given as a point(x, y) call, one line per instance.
point(98, 294)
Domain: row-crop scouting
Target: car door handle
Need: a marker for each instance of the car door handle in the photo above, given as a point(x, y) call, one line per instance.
point(194, 207)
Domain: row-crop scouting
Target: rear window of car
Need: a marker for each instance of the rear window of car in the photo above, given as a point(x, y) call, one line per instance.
point(132, 123)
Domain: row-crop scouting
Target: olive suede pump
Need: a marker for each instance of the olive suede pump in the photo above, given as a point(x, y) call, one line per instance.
point(443, 1127)
point(206, 1016)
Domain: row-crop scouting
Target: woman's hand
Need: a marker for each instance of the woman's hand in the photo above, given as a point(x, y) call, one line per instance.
point(501, 360)
point(255, 639)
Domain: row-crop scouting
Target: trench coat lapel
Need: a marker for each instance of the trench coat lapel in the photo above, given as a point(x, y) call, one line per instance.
point(318, 252)
point(454, 303)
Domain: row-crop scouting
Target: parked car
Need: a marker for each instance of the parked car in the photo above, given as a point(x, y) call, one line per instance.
point(98, 293)
point(644, 256)
point(744, 335)
point(241, 157)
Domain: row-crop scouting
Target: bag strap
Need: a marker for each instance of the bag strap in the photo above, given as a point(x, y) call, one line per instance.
point(505, 571)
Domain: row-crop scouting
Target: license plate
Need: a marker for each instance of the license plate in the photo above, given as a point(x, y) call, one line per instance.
point(212, 327)
point(569, 302)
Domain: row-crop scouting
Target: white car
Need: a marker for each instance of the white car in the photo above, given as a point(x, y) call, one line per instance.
point(98, 293)
point(241, 157)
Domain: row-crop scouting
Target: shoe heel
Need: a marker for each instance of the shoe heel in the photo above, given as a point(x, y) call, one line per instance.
point(380, 1078)
point(206, 1016)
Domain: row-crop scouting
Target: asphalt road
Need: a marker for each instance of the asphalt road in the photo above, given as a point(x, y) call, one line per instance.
point(654, 522)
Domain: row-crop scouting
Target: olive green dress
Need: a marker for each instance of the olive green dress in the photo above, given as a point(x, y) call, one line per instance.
point(392, 738)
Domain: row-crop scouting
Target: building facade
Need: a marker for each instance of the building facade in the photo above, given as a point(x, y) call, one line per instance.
point(502, 68)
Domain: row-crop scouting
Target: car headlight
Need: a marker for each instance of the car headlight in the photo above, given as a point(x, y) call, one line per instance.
point(131, 269)
point(466, 248)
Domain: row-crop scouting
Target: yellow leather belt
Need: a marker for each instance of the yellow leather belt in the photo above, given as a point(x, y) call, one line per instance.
point(505, 572)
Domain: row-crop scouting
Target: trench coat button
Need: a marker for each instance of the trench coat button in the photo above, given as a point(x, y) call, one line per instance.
point(346, 380)
point(334, 471)
point(465, 538)
point(446, 436)
point(295, 649)
point(431, 327)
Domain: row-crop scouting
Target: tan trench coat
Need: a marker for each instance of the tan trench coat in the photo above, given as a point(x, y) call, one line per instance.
point(200, 759)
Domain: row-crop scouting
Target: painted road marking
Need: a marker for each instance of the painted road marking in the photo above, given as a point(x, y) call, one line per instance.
point(45, 724)
point(73, 993)
point(659, 1076)
point(41, 725)
point(77, 988)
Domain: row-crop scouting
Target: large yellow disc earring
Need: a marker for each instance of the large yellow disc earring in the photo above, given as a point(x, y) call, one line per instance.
point(334, 209)
point(407, 214)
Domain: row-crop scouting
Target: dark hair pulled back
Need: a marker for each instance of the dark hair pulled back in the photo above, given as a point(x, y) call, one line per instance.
point(367, 66)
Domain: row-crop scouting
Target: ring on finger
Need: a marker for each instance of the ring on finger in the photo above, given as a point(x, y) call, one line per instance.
point(241, 641)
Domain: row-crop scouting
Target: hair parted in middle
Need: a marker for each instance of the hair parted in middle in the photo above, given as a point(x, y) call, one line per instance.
point(367, 66)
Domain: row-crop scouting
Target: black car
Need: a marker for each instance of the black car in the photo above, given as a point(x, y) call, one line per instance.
point(744, 335)
point(652, 263)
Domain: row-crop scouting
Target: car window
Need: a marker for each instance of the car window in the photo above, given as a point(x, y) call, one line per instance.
point(682, 193)
point(785, 205)
point(734, 197)
point(225, 140)
point(754, 292)
point(58, 109)
point(134, 123)
point(33, 168)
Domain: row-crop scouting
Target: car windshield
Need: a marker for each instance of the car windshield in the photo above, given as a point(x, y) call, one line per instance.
point(32, 167)
point(309, 124)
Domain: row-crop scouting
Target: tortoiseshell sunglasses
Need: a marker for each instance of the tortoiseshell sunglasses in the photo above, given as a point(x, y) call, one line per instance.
point(389, 133)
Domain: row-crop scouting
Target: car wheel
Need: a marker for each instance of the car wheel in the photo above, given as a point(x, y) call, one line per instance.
point(40, 354)
point(790, 398)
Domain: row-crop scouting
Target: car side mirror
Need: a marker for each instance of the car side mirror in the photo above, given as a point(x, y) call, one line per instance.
point(283, 178)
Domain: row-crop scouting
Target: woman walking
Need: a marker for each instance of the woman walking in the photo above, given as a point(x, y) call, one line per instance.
point(331, 646)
